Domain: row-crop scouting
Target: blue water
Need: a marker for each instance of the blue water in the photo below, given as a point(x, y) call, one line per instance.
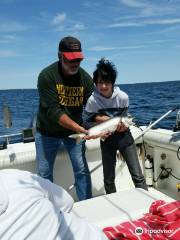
point(148, 101)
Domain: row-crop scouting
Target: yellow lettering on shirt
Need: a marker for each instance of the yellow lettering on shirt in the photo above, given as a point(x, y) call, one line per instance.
point(70, 96)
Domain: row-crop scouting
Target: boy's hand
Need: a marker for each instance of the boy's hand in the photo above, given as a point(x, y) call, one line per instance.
point(101, 118)
point(121, 127)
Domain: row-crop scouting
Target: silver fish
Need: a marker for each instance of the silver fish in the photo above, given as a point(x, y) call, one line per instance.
point(7, 116)
point(105, 127)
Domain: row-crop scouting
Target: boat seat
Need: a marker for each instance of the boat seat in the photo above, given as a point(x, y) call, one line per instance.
point(112, 209)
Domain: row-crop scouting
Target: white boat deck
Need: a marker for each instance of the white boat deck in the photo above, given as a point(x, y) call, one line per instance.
point(115, 208)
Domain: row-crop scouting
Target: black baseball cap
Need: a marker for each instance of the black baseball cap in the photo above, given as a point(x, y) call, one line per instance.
point(71, 48)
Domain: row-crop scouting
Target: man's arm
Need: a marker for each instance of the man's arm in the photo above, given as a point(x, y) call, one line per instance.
point(68, 123)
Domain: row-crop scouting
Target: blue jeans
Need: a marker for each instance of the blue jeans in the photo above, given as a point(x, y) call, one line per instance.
point(46, 151)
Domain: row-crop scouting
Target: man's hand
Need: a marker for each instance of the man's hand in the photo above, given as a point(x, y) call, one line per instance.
point(101, 135)
point(80, 129)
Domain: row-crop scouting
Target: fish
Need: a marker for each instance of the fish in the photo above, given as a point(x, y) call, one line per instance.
point(7, 116)
point(108, 126)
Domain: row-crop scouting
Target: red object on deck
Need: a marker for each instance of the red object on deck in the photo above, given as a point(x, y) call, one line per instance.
point(161, 223)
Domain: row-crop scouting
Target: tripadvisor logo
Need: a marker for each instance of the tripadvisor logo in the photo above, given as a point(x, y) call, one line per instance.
point(139, 231)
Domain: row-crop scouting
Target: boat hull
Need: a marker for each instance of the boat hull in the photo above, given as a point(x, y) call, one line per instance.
point(160, 144)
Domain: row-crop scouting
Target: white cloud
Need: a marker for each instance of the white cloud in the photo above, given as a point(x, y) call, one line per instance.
point(135, 3)
point(165, 21)
point(7, 38)
point(126, 24)
point(59, 18)
point(7, 53)
point(75, 27)
point(171, 29)
point(136, 23)
point(102, 48)
point(10, 26)
point(148, 8)
point(78, 27)
point(59, 29)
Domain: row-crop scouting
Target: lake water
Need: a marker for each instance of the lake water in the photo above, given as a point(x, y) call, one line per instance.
point(148, 101)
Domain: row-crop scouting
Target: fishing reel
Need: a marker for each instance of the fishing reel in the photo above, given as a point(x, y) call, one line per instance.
point(177, 126)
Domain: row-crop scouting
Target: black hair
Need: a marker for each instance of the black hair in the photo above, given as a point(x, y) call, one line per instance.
point(106, 70)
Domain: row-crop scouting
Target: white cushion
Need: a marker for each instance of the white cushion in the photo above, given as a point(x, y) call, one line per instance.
point(112, 209)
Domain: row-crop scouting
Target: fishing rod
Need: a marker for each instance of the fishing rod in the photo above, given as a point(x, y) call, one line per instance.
point(155, 122)
point(140, 135)
point(10, 135)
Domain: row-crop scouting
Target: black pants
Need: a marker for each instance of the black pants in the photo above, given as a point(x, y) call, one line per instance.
point(125, 144)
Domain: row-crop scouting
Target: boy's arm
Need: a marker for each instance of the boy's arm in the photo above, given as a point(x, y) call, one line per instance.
point(88, 119)
point(101, 118)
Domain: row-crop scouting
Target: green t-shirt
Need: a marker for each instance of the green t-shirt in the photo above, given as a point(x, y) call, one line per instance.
point(58, 95)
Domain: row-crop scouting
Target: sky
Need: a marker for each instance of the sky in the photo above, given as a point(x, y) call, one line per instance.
point(141, 37)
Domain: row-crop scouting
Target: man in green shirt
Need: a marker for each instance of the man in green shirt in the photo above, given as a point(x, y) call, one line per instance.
point(64, 88)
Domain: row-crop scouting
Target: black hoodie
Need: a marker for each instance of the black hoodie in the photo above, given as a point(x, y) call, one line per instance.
point(58, 95)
